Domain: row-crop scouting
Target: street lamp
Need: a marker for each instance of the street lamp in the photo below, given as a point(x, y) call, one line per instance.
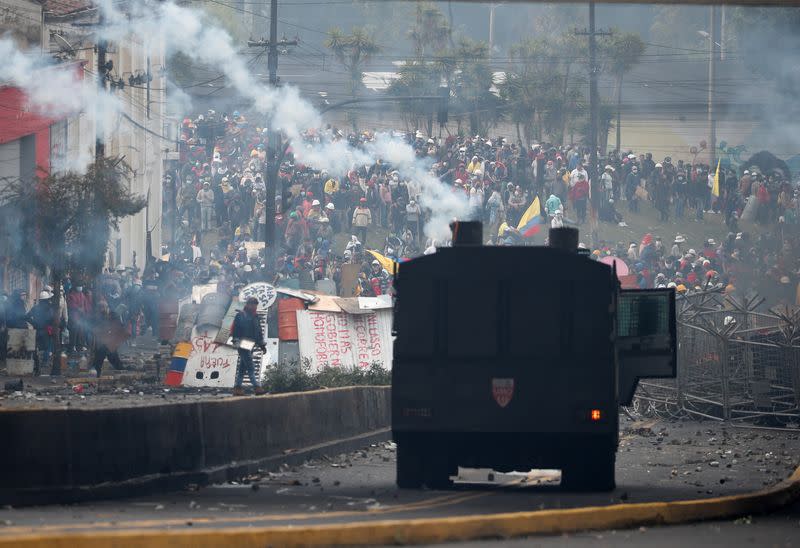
point(707, 36)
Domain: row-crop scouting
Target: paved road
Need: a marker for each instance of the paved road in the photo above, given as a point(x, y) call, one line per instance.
point(781, 529)
point(657, 461)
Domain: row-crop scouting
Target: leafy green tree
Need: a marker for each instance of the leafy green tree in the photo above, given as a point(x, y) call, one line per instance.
point(525, 86)
point(472, 84)
point(353, 51)
point(620, 52)
point(677, 26)
point(61, 224)
point(430, 31)
point(606, 112)
point(417, 78)
point(541, 89)
point(432, 66)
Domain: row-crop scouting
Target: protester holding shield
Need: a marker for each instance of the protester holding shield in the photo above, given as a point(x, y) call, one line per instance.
point(247, 335)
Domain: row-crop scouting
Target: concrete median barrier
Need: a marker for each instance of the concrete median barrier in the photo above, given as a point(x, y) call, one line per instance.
point(58, 456)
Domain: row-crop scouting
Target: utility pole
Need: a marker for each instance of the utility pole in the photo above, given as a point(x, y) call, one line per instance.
point(712, 79)
point(593, 108)
point(271, 179)
point(491, 28)
point(273, 161)
point(619, 119)
point(592, 33)
point(147, 76)
point(103, 68)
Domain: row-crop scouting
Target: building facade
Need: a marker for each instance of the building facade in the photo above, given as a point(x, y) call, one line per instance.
point(135, 133)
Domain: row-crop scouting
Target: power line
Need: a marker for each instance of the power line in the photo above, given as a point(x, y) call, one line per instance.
point(266, 17)
point(146, 129)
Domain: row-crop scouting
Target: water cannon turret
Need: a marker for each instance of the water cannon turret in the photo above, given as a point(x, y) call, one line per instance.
point(467, 233)
point(565, 238)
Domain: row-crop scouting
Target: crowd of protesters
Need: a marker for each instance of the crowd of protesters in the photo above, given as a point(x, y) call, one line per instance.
point(325, 219)
point(216, 200)
point(94, 317)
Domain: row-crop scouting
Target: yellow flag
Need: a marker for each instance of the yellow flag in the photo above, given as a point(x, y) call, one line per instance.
point(715, 188)
point(533, 211)
point(390, 265)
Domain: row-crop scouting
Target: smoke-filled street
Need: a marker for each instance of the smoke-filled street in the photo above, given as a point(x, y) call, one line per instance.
point(365, 272)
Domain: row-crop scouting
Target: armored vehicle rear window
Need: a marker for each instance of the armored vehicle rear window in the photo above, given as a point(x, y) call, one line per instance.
point(642, 314)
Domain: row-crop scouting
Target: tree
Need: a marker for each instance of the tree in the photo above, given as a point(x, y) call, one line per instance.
point(677, 26)
point(430, 31)
point(472, 83)
point(605, 123)
point(61, 224)
point(417, 78)
point(353, 51)
point(518, 91)
point(431, 67)
point(521, 90)
point(621, 52)
point(541, 92)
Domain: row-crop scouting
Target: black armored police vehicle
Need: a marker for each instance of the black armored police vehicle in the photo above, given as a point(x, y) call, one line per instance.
point(515, 358)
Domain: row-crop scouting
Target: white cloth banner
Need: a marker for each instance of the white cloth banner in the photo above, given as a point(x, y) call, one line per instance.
point(335, 339)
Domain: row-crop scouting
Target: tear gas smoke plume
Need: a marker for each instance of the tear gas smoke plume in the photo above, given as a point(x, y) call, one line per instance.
point(56, 90)
point(155, 23)
point(202, 41)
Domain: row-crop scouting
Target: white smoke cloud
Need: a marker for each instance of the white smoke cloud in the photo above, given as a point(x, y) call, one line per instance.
point(191, 32)
point(444, 204)
point(178, 101)
point(75, 162)
point(56, 90)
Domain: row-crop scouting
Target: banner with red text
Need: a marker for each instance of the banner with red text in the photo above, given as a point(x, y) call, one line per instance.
point(338, 339)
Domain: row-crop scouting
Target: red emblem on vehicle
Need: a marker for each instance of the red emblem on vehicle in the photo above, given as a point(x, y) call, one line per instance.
point(502, 391)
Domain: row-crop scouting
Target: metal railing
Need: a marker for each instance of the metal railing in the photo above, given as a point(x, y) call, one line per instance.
point(736, 362)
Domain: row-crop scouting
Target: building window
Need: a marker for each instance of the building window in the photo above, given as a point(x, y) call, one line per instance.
point(10, 156)
point(27, 157)
point(58, 146)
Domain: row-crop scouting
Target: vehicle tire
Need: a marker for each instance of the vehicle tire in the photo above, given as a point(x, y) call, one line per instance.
point(437, 467)
point(596, 473)
point(409, 465)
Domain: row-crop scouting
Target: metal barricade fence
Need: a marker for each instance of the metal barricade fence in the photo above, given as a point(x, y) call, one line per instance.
point(735, 363)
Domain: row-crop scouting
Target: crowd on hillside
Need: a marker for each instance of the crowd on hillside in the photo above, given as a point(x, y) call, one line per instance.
point(326, 219)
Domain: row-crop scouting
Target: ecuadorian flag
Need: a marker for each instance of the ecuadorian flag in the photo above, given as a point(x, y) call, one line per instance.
point(178, 364)
point(531, 222)
point(388, 264)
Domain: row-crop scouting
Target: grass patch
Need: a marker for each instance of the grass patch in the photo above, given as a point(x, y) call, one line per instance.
point(297, 377)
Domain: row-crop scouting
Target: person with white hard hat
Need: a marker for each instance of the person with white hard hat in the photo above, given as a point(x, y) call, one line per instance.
point(41, 318)
point(607, 181)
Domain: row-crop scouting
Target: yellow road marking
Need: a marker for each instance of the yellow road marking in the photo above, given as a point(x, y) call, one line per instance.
point(435, 502)
point(434, 530)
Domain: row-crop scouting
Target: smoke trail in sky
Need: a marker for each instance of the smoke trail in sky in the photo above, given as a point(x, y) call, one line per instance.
point(56, 90)
point(192, 33)
point(201, 40)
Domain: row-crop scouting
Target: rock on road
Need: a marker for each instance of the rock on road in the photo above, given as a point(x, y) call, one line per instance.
point(657, 461)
